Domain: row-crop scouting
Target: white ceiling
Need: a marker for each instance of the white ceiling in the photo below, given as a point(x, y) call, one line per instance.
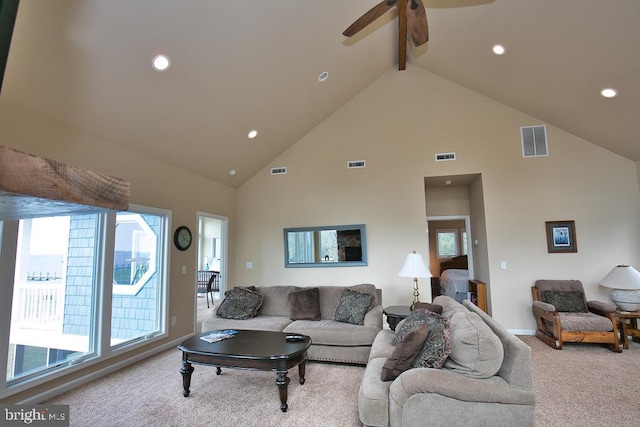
point(254, 64)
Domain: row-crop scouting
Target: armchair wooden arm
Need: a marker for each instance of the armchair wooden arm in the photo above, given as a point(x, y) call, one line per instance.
point(548, 324)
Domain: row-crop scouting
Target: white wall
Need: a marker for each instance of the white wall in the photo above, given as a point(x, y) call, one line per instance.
point(397, 125)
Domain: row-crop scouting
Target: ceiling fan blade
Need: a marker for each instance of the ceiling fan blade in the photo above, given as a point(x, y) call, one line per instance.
point(371, 15)
point(402, 35)
point(418, 26)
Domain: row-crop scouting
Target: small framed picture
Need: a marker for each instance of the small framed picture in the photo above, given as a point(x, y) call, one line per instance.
point(561, 236)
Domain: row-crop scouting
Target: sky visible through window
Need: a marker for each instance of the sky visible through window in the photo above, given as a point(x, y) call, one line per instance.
point(49, 235)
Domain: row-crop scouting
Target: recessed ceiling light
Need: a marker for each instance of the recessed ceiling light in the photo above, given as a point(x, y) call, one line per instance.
point(252, 134)
point(161, 62)
point(499, 49)
point(232, 172)
point(609, 92)
point(323, 76)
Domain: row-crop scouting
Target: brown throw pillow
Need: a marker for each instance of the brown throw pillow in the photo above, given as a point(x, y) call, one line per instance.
point(240, 303)
point(405, 352)
point(305, 304)
point(434, 308)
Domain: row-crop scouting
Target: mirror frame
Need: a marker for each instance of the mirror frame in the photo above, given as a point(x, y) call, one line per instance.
point(363, 244)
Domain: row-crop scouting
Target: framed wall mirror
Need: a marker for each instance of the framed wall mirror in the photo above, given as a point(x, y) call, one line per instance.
point(328, 246)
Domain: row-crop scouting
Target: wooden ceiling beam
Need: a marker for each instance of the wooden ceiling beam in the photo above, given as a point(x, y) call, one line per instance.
point(32, 186)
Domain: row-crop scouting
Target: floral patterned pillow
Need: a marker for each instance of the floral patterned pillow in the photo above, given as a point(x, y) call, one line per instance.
point(353, 306)
point(566, 301)
point(413, 321)
point(240, 303)
point(436, 348)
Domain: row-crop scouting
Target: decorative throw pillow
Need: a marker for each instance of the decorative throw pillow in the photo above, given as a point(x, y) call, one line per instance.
point(434, 308)
point(567, 301)
point(305, 304)
point(404, 353)
point(353, 306)
point(240, 303)
point(412, 321)
point(436, 348)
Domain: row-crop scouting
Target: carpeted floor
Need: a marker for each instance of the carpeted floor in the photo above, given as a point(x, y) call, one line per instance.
point(582, 385)
point(585, 384)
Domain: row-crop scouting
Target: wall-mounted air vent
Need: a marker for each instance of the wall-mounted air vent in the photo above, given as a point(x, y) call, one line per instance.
point(445, 157)
point(534, 141)
point(278, 171)
point(356, 164)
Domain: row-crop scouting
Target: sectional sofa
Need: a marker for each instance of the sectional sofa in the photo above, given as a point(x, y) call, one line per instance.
point(485, 381)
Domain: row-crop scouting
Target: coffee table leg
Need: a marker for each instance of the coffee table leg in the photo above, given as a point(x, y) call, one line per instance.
point(283, 383)
point(186, 372)
point(301, 371)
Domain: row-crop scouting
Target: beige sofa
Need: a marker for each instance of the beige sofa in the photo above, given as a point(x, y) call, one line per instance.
point(332, 341)
point(449, 396)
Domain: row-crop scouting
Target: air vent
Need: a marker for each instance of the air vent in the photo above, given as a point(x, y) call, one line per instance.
point(356, 164)
point(445, 157)
point(279, 171)
point(534, 141)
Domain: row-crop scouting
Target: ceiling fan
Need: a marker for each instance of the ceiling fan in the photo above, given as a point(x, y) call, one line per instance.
point(410, 12)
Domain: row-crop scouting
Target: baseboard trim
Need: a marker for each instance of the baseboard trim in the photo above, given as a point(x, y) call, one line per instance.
point(35, 399)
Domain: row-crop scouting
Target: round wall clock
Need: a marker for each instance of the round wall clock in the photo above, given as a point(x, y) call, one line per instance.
point(182, 238)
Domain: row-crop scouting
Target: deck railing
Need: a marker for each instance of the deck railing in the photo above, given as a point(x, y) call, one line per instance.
point(38, 305)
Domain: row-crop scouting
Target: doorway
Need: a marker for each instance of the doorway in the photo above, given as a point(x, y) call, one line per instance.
point(455, 204)
point(211, 263)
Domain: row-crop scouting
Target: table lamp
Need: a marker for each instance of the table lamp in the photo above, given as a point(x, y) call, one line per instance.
point(624, 282)
point(414, 267)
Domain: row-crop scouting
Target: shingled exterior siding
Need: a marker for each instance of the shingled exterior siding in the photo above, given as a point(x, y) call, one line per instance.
point(80, 275)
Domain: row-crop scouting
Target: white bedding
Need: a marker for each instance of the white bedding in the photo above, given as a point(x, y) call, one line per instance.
point(455, 283)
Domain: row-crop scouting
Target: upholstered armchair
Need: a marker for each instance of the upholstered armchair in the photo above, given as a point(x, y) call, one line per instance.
point(563, 314)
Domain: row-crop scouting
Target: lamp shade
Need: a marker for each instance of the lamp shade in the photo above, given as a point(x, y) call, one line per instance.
point(414, 267)
point(622, 277)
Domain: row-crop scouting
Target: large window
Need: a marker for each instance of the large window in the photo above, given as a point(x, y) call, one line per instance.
point(61, 274)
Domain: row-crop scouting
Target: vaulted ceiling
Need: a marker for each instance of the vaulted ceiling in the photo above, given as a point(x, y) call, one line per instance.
point(254, 64)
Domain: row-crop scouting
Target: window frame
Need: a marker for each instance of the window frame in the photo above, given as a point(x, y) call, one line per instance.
point(100, 332)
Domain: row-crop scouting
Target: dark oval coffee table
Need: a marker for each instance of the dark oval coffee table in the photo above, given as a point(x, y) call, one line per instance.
point(259, 350)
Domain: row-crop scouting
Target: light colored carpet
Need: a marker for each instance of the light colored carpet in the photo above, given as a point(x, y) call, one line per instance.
point(582, 385)
point(150, 394)
point(585, 384)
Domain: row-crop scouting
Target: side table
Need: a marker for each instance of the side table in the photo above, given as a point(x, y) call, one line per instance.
point(629, 326)
point(396, 313)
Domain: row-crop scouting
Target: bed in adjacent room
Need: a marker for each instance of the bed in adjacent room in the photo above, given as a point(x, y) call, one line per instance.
point(454, 282)
point(454, 278)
